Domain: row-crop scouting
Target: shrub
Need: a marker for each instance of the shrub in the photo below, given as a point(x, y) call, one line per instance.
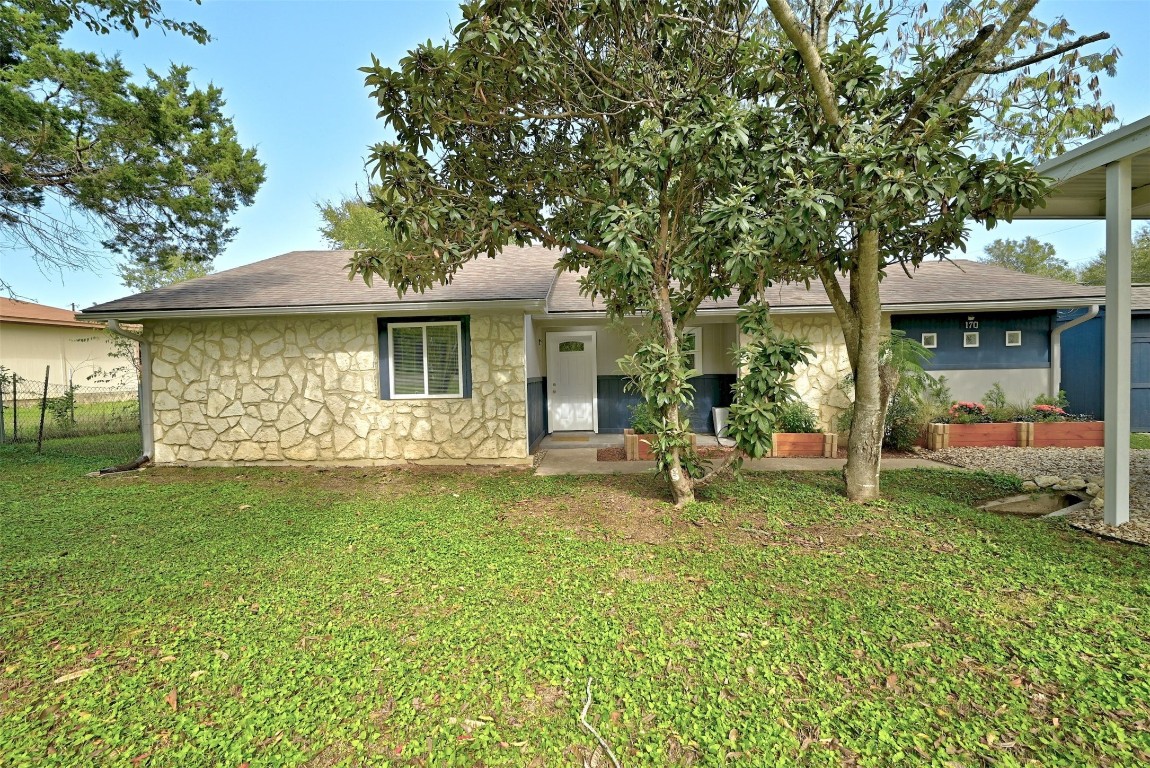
point(965, 412)
point(1047, 412)
point(917, 400)
point(995, 398)
point(797, 416)
point(644, 418)
point(1058, 402)
point(63, 407)
point(904, 422)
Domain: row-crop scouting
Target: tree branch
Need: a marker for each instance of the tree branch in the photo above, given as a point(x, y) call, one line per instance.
point(947, 72)
point(812, 60)
point(1039, 57)
point(990, 48)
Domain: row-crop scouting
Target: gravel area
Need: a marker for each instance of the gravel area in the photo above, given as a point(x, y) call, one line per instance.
point(1028, 463)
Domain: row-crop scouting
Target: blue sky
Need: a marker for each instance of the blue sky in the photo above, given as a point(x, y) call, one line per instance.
point(289, 71)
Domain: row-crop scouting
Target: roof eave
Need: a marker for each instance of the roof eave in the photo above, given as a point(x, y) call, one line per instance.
point(916, 308)
point(405, 308)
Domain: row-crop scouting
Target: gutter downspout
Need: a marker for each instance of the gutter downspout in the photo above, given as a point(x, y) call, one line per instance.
point(1056, 347)
point(147, 435)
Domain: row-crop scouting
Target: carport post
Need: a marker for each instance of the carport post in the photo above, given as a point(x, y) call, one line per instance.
point(1119, 182)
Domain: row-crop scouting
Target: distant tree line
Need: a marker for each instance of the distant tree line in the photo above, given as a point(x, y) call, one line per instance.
point(1035, 257)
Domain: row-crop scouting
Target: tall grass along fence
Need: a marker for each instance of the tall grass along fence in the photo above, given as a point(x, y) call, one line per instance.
point(33, 411)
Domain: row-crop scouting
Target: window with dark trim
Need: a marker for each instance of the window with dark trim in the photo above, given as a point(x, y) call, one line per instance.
point(693, 349)
point(424, 358)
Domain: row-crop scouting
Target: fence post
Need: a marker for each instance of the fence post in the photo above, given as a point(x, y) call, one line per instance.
point(43, 410)
point(15, 411)
point(3, 424)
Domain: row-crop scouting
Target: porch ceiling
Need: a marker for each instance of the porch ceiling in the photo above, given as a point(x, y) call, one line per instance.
point(1080, 176)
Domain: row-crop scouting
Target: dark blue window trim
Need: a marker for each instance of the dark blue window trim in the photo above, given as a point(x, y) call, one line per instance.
point(385, 352)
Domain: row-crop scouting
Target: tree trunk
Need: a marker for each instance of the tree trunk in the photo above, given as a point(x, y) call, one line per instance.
point(864, 452)
point(682, 488)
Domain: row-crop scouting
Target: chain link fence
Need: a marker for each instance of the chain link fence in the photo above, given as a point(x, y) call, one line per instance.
point(64, 410)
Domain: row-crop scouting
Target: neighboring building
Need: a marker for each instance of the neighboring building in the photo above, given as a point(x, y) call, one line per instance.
point(286, 360)
point(1083, 348)
point(35, 336)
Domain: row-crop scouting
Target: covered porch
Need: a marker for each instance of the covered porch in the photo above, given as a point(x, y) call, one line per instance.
point(1109, 178)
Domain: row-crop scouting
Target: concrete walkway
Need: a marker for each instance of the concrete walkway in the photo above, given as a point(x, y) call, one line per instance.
point(582, 461)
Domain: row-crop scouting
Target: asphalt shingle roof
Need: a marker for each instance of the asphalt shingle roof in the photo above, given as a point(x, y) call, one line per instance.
point(954, 282)
point(27, 313)
point(319, 278)
point(308, 279)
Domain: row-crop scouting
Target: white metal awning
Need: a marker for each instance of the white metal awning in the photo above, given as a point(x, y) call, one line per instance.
point(1109, 178)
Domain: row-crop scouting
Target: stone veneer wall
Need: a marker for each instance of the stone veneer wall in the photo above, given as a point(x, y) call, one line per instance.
point(305, 389)
point(818, 383)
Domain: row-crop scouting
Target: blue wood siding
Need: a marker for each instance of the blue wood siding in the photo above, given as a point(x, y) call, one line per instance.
point(991, 352)
point(712, 390)
point(1084, 365)
point(1140, 375)
point(1083, 362)
point(536, 410)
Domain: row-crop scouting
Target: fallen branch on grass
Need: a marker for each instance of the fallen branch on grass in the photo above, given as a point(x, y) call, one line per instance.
point(131, 465)
point(598, 737)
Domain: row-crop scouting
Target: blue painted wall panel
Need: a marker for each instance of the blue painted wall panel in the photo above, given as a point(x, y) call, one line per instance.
point(712, 390)
point(991, 352)
point(1083, 363)
point(1083, 367)
point(536, 410)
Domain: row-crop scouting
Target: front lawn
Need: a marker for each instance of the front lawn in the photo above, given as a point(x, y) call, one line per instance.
point(1140, 440)
point(396, 617)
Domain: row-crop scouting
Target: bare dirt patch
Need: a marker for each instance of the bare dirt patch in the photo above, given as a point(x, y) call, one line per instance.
point(630, 508)
point(373, 481)
point(824, 537)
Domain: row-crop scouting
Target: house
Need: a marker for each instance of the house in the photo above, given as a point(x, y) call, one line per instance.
point(286, 360)
point(1083, 348)
point(35, 336)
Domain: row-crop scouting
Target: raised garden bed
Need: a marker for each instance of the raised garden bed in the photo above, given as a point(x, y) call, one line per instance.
point(804, 445)
point(1018, 434)
point(1067, 434)
point(638, 447)
point(785, 445)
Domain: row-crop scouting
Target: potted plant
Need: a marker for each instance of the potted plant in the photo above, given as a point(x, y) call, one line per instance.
point(799, 435)
point(638, 439)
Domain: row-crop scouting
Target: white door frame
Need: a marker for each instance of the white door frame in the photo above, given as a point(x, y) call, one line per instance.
point(552, 377)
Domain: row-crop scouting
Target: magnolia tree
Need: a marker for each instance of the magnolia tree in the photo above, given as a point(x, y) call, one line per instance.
point(687, 149)
point(899, 139)
point(605, 129)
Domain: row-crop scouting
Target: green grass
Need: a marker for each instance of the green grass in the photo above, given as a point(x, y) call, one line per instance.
point(1140, 440)
point(85, 419)
point(434, 618)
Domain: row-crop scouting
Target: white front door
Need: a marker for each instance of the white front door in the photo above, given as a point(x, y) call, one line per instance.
point(571, 377)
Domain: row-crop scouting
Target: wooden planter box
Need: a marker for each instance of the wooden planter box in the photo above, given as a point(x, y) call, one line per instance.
point(1019, 434)
point(1013, 434)
point(800, 445)
point(1067, 434)
point(638, 447)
